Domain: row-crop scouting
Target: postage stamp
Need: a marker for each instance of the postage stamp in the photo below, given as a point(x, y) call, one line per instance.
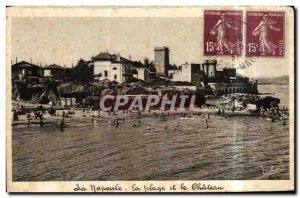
point(119, 100)
point(265, 34)
point(223, 32)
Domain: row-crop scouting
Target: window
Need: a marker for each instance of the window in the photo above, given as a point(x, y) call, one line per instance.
point(115, 77)
point(114, 68)
point(105, 73)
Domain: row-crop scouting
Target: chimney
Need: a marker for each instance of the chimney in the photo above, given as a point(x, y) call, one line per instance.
point(31, 60)
point(16, 60)
point(11, 62)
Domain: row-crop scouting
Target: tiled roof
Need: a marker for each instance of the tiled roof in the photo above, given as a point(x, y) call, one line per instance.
point(24, 64)
point(111, 57)
point(103, 56)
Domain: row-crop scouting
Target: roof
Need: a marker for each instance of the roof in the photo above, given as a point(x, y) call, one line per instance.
point(111, 57)
point(103, 56)
point(24, 64)
point(53, 66)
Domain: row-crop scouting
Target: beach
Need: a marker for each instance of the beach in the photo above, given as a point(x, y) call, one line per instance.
point(92, 148)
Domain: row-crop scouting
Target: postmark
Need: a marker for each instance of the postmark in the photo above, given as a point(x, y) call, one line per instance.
point(267, 36)
point(223, 32)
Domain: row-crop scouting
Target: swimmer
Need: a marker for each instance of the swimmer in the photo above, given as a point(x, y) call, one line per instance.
point(117, 123)
point(149, 128)
point(134, 125)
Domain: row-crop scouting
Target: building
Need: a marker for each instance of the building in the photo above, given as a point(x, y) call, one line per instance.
point(113, 67)
point(192, 73)
point(24, 70)
point(161, 60)
point(54, 71)
point(210, 68)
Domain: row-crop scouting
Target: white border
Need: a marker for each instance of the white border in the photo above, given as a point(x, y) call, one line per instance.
point(4, 3)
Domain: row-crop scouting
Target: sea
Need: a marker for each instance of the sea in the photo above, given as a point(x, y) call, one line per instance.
point(240, 148)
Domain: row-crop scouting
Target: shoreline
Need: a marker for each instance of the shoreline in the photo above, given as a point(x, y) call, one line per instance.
point(104, 116)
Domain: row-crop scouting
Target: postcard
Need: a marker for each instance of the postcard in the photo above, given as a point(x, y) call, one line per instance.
point(150, 99)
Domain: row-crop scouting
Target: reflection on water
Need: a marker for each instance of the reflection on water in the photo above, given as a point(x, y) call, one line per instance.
point(239, 148)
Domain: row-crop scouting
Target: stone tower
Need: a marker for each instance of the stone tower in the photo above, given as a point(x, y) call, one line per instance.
point(210, 68)
point(161, 60)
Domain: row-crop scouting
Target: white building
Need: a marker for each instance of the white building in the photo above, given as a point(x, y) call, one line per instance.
point(113, 67)
point(192, 73)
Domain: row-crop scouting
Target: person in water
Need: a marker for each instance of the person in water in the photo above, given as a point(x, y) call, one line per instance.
point(117, 123)
point(166, 126)
point(134, 125)
point(149, 127)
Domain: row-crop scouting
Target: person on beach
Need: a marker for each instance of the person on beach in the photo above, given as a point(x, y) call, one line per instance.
point(206, 125)
point(41, 119)
point(15, 116)
point(273, 118)
point(177, 124)
point(219, 111)
point(206, 120)
point(165, 126)
point(62, 124)
point(28, 116)
point(94, 122)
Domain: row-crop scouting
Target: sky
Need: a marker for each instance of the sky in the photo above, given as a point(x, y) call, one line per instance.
point(64, 41)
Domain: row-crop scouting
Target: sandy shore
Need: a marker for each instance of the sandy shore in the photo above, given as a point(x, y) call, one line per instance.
point(81, 115)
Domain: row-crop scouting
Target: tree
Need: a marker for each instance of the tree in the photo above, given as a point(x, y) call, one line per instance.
point(82, 72)
point(148, 64)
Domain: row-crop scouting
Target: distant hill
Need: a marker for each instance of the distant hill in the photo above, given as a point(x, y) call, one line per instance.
point(281, 80)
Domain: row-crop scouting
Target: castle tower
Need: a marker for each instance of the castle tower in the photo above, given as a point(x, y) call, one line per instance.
point(210, 68)
point(161, 60)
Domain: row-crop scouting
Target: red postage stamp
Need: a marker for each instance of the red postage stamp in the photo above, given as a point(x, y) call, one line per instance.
point(265, 34)
point(223, 32)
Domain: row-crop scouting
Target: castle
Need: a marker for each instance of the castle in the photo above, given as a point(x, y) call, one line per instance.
point(114, 67)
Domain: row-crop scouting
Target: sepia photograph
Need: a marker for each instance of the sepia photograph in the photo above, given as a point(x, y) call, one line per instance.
point(150, 99)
